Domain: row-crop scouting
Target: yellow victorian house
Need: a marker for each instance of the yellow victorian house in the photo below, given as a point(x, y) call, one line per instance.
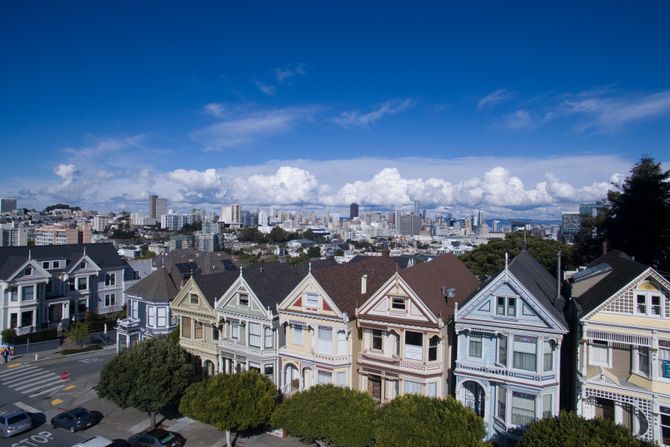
point(318, 316)
point(199, 330)
point(622, 313)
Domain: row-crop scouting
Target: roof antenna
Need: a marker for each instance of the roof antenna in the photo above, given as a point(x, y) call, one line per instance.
point(558, 276)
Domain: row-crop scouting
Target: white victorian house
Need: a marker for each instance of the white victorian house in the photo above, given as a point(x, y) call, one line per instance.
point(509, 342)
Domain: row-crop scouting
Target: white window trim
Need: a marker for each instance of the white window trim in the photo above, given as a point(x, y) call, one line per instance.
point(607, 364)
point(507, 306)
point(648, 294)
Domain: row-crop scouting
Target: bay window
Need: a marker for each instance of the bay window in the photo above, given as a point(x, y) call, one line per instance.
point(523, 408)
point(525, 356)
point(413, 345)
point(475, 345)
point(297, 335)
point(255, 335)
point(412, 387)
point(325, 340)
point(548, 355)
point(433, 344)
point(269, 339)
point(501, 402)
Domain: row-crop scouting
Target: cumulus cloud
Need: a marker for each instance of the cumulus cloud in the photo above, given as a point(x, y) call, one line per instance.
point(493, 98)
point(66, 172)
point(357, 118)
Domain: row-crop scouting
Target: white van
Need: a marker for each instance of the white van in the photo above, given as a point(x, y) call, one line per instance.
point(97, 441)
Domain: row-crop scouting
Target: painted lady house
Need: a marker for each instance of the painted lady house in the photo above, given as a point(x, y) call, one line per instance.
point(621, 312)
point(405, 329)
point(508, 359)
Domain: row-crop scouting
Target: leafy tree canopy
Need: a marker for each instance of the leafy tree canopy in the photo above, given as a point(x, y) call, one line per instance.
point(488, 260)
point(148, 376)
point(335, 415)
point(231, 401)
point(78, 333)
point(639, 212)
point(412, 420)
point(314, 252)
point(570, 430)
point(61, 206)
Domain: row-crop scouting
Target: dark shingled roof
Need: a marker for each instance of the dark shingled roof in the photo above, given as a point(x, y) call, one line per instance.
point(624, 270)
point(214, 285)
point(181, 262)
point(343, 282)
point(105, 255)
point(431, 280)
point(272, 282)
point(158, 286)
point(537, 280)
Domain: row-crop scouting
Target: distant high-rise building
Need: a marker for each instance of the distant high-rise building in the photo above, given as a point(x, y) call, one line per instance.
point(353, 210)
point(100, 223)
point(262, 218)
point(497, 228)
point(231, 214)
point(249, 219)
point(571, 223)
point(591, 209)
point(410, 224)
point(417, 207)
point(157, 207)
point(7, 205)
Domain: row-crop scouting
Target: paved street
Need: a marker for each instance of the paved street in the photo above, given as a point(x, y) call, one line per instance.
point(54, 383)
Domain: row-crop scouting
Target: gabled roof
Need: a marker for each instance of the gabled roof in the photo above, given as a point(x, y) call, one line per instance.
point(272, 282)
point(623, 270)
point(342, 283)
point(431, 281)
point(537, 280)
point(206, 262)
point(214, 285)
point(158, 286)
point(104, 255)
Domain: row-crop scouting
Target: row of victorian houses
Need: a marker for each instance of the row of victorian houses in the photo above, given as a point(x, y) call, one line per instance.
point(520, 347)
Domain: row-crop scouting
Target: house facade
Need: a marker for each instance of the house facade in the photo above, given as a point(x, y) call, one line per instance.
point(199, 329)
point(43, 286)
point(149, 312)
point(621, 311)
point(508, 359)
point(247, 314)
point(318, 317)
point(405, 346)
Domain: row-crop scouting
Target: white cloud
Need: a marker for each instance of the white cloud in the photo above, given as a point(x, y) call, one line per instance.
point(66, 172)
point(234, 132)
point(357, 118)
point(519, 120)
point(493, 98)
point(268, 89)
point(289, 71)
point(603, 110)
point(215, 109)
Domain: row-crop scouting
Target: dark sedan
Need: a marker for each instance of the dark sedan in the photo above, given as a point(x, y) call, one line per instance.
point(76, 419)
point(157, 438)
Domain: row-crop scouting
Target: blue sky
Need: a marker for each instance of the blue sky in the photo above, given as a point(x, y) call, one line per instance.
point(521, 109)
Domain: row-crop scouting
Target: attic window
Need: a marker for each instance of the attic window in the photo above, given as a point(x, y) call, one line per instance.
point(82, 265)
point(28, 271)
point(56, 264)
point(398, 302)
point(194, 298)
point(45, 264)
point(311, 300)
point(243, 299)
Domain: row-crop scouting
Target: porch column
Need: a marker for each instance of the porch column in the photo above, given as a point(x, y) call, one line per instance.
point(127, 341)
point(117, 341)
point(220, 362)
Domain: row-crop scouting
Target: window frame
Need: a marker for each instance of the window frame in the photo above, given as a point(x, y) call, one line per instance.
point(268, 334)
point(548, 356)
point(526, 397)
point(298, 335)
point(398, 303)
point(519, 357)
point(433, 348)
point(644, 299)
point(24, 296)
point(309, 296)
point(501, 403)
point(240, 300)
point(257, 337)
point(472, 340)
point(413, 355)
point(377, 339)
point(85, 283)
point(193, 298)
point(600, 344)
point(503, 350)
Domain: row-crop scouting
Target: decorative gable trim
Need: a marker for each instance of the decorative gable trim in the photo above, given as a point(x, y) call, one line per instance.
point(90, 265)
point(611, 301)
point(35, 265)
point(178, 304)
point(396, 282)
point(240, 285)
point(294, 298)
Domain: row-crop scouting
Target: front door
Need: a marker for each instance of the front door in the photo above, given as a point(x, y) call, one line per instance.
point(375, 387)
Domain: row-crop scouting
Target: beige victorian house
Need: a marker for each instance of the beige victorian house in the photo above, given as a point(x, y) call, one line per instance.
point(621, 310)
point(405, 345)
point(321, 342)
point(199, 330)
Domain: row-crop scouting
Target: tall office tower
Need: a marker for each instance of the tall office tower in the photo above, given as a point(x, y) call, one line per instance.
point(417, 207)
point(263, 220)
point(157, 207)
point(571, 223)
point(7, 205)
point(410, 224)
point(396, 218)
point(353, 210)
point(231, 214)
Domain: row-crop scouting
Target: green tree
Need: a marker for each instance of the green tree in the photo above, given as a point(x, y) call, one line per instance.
point(278, 235)
point(231, 401)
point(487, 260)
point(78, 333)
point(570, 430)
point(298, 259)
point(314, 252)
point(250, 234)
point(338, 416)
point(412, 419)
point(637, 221)
point(149, 376)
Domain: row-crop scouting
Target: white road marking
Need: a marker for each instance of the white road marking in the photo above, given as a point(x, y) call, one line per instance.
point(35, 382)
point(26, 407)
point(15, 372)
point(26, 379)
point(44, 385)
point(51, 390)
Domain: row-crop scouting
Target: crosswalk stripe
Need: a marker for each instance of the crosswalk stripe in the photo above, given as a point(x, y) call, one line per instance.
point(43, 385)
point(27, 407)
point(24, 379)
point(16, 372)
point(46, 391)
point(35, 382)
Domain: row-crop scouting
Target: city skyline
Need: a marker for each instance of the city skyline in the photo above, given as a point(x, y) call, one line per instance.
point(307, 105)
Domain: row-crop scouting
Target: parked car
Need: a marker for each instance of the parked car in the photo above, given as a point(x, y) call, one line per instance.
point(101, 441)
point(157, 438)
point(14, 422)
point(76, 419)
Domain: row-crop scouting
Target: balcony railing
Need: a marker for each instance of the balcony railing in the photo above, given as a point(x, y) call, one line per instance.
point(128, 324)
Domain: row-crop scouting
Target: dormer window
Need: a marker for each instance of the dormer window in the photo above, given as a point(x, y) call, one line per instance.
point(56, 264)
point(649, 303)
point(28, 271)
point(243, 299)
point(82, 265)
point(194, 298)
point(398, 303)
point(45, 265)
